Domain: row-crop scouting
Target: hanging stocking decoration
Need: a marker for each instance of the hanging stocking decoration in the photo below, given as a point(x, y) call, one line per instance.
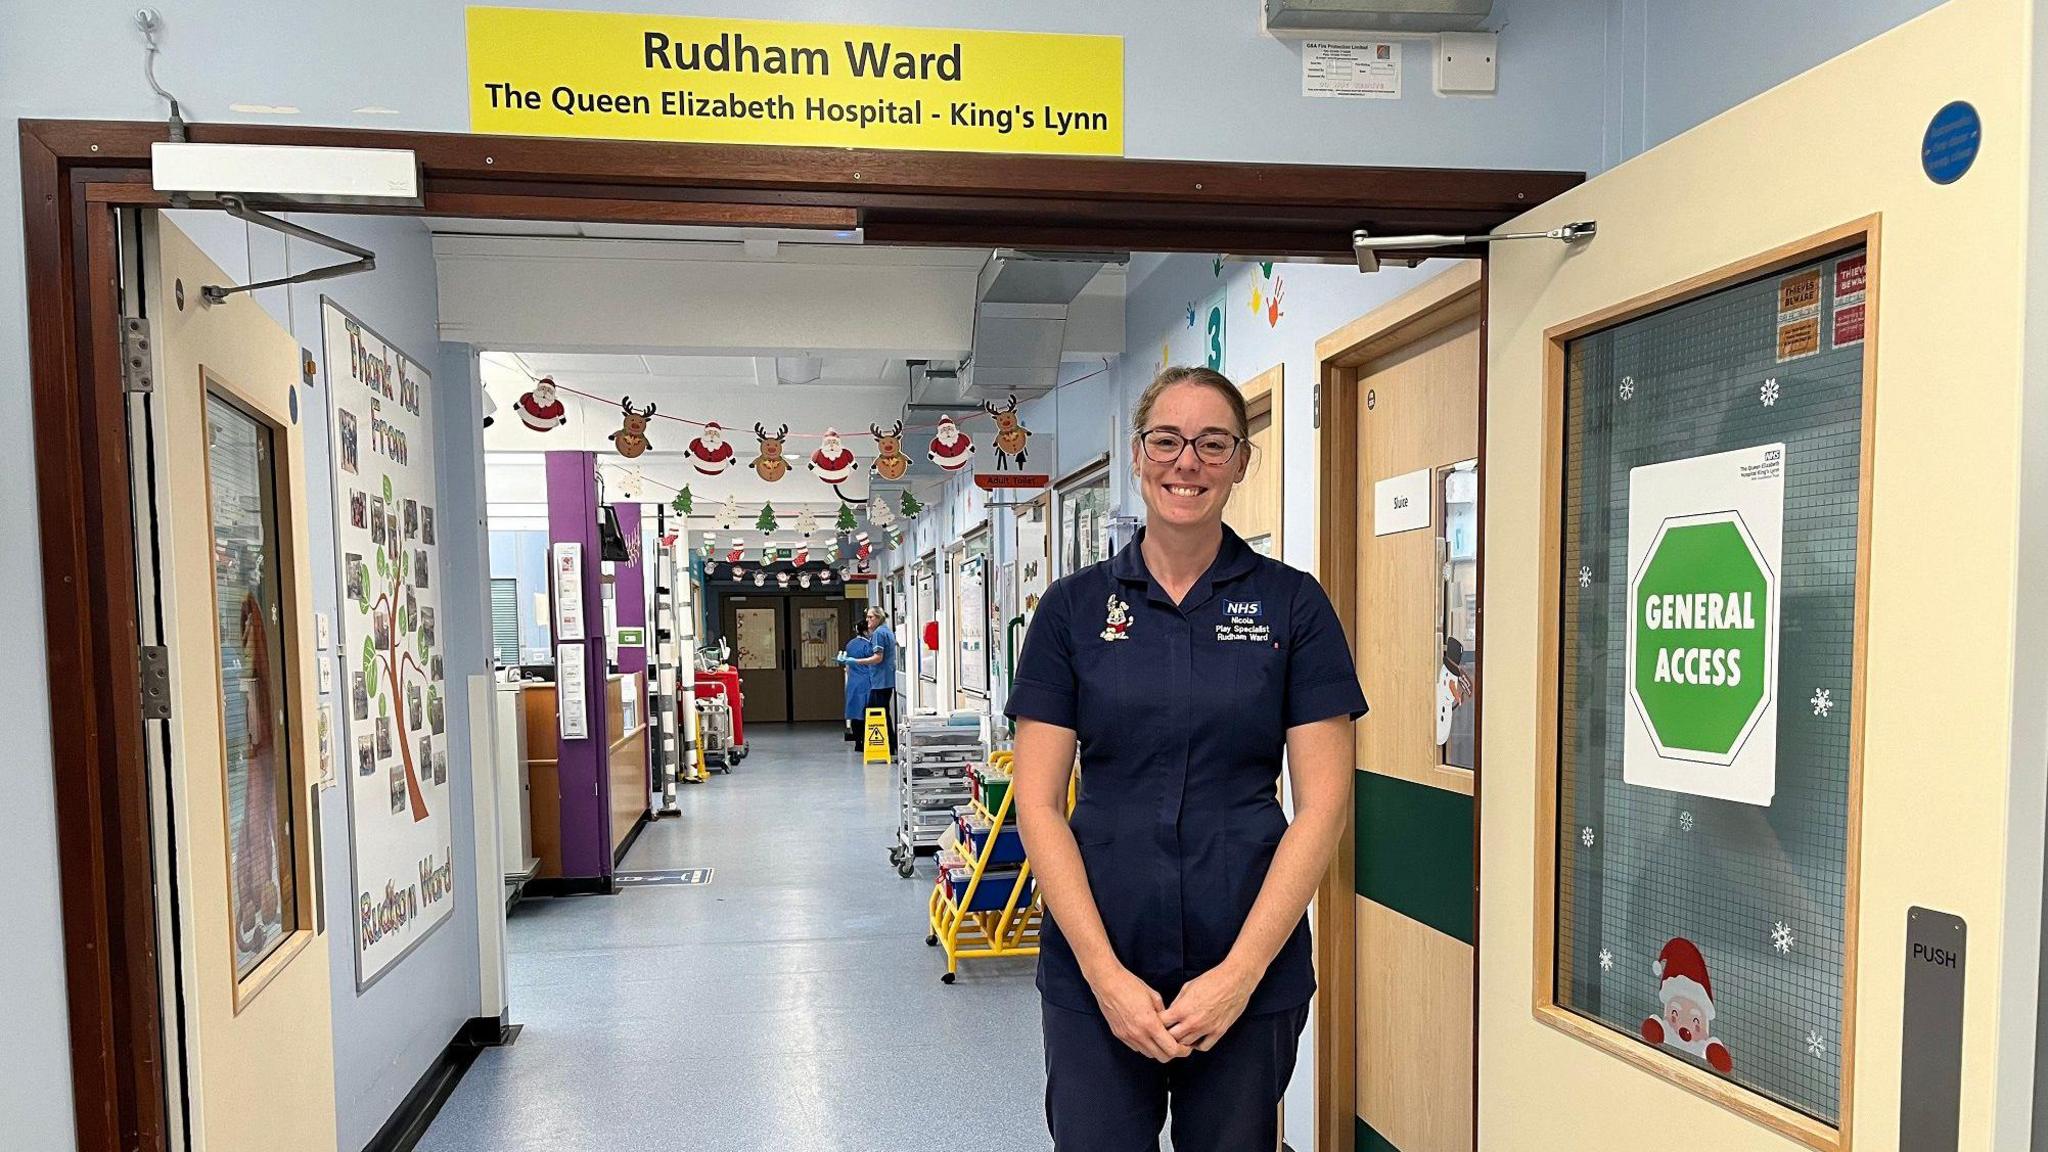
point(803, 554)
point(709, 453)
point(540, 409)
point(737, 550)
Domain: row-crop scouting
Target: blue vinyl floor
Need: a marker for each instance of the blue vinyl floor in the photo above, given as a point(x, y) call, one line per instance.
point(791, 1004)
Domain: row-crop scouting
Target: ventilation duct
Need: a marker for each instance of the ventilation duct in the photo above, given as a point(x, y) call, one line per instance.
point(1309, 17)
point(1021, 304)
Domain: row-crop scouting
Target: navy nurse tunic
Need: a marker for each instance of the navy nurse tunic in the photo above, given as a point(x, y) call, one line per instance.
point(1182, 713)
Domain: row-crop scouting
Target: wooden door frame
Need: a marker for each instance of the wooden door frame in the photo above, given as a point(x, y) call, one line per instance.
point(74, 171)
point(1434, 305)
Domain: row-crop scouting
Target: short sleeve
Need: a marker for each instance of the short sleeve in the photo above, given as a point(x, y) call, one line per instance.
point(1322, 681)
point(1044, 688)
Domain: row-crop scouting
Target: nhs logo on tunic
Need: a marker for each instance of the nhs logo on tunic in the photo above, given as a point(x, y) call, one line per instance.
point(1242, 621)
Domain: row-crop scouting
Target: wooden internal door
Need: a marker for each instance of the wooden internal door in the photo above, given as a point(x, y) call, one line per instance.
point(760, 650)
point(226, 498)
point(1408, 378)
point(818, 628)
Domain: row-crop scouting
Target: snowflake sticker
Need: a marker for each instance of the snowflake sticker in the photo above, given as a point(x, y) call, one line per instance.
point(1823, 702)
point(1816, 1044)
point(1769, 392)
point(1628, 387)
point(1586, 836)
point(1685, 821)
point(1606, 960)
point(1782, 938)
point(1585, 576)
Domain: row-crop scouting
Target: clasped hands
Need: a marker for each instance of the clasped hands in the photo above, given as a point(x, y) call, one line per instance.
point(1199, 1016)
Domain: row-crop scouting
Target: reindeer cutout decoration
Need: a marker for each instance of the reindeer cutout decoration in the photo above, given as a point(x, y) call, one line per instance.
point(1011, 434)
point(890, 462)
point(771, 465)
point(631, 440)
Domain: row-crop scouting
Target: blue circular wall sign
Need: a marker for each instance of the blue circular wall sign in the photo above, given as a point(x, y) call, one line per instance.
point(1951, 143)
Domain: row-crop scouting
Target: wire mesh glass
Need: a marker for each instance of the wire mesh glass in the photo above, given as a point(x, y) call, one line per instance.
point(1761, 891)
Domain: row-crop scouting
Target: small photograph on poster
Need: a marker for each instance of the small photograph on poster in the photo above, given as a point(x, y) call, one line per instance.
point(426, 524)
point(366, 757)
point(412, 519)
point(354, 567)
point(376, 520)
point(412, 608)
point(359, 698)
point(415, 707)
point(435, 668)
point(348, 440)
point(380, 628)
point(427, 630)
point(426, 760)
point(326, 744)
point(397, 789)
point(391, 529)
point(383, 737)
point(419, 568)
point(441, 767)
point(358, 508)
point(437, 720)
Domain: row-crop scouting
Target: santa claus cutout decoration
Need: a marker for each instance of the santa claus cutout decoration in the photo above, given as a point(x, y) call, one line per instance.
point(1688, 998)
point(631, 438)
point(833, 461)
point(539, 409)
point(709, 453)
point(951, 449)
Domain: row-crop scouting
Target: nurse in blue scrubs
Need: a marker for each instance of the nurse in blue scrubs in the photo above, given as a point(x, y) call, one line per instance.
point(1175, 969)
point(858, 675)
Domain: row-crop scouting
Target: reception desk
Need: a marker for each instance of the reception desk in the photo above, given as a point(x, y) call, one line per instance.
point(625, 792)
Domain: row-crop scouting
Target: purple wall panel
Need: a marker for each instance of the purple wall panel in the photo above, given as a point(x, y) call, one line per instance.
point(585, 803)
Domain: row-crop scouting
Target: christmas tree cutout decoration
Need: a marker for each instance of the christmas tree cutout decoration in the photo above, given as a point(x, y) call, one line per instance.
point(767, 521)
point(910, 505)
point(846, 521)
point(684, 502)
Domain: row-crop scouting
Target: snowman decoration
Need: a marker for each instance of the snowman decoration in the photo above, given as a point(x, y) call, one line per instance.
point(1688, 998)
point(709, 453)
point(833, 461)
point(950, 449)
point(540, 409)
point(1453, 687)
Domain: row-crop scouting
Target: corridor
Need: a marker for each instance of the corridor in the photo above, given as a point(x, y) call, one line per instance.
point(792, 1003)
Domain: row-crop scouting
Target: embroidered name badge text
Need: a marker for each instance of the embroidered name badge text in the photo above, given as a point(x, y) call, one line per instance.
point(1243, 620)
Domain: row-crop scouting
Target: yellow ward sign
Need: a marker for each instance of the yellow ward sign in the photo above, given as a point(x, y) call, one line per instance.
point(537, 72)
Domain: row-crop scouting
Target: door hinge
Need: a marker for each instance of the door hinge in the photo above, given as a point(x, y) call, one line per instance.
point(156, 682)
point(135, 355)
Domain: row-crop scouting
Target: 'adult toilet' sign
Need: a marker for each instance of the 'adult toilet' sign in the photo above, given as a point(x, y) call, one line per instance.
point(1705, 538)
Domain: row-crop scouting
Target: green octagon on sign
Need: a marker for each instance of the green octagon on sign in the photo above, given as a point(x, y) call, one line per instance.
point(1701, 668)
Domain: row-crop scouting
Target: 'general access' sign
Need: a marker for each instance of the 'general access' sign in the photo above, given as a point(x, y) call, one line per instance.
point(1705, 538)
point(535, 72)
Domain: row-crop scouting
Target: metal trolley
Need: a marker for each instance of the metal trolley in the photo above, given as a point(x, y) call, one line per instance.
point(931, 781)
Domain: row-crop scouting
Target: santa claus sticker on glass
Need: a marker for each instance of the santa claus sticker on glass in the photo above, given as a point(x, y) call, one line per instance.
point(540, 409)
point(709, 453)
point(951, 449)
point(833, 461)
point(1688, 998)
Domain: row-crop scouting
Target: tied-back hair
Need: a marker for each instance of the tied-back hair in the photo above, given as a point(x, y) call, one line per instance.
point(1141, 416)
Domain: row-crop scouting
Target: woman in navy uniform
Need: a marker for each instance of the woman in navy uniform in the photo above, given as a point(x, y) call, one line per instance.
point(1175, 963)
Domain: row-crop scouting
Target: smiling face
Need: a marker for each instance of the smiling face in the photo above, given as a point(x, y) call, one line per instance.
point(1186, 491)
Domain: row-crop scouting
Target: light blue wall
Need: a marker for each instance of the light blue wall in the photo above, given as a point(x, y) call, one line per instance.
point(1584, 84)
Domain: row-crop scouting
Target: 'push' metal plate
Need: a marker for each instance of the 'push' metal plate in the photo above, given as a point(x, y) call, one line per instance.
point(1931, 1067)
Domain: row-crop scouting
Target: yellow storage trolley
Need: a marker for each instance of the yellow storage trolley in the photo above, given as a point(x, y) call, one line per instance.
point(985, 902)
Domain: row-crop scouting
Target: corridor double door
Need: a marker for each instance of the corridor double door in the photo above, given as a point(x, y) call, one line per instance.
point(784, 648)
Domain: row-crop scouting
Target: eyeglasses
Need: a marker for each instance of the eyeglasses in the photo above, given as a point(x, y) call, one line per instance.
point(1164, 445)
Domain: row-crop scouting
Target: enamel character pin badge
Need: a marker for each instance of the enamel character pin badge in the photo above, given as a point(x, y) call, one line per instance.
point(1118, 625)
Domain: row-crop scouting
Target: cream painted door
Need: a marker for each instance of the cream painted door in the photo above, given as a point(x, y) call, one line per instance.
point(1418, 418)
point(231, 513)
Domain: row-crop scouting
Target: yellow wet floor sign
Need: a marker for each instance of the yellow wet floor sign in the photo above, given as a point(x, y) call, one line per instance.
point(876, 745)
